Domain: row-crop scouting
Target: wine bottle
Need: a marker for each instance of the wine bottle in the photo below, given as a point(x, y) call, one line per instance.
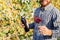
point(23, 20)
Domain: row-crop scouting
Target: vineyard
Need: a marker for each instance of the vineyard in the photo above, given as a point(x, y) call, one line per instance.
point(10, 16)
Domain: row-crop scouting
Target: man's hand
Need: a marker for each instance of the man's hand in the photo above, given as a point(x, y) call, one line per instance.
point(26, 27)
point(22, 25)
point(45, 31)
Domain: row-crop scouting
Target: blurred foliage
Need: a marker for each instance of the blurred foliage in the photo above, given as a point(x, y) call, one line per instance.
point(10, 15)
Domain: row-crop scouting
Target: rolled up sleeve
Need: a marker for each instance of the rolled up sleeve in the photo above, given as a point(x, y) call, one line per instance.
point(31, 25)
point(56, 23)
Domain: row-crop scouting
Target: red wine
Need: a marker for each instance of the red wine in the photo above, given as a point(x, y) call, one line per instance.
point(37, 19)
point(23, 20)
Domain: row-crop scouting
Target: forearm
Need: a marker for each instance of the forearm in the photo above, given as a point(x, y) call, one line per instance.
point(29, 26)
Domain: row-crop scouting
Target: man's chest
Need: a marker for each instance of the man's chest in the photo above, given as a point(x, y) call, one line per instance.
point(45, 16)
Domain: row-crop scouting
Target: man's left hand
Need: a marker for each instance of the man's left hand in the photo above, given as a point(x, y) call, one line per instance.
point(45, 31)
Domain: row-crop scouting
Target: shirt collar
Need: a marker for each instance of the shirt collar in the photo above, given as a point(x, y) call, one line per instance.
point(48, 7)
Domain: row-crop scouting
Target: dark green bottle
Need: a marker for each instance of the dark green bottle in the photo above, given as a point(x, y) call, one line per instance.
point(23, 20)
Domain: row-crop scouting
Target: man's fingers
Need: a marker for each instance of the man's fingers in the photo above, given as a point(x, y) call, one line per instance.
point(44, 30)
point(22, 25)
point(43, 27)
point(40, 32)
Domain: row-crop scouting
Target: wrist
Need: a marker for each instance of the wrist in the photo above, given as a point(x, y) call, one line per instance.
point(50, 32)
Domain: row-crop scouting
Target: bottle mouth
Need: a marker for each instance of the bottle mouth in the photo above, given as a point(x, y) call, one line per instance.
point(22, 16)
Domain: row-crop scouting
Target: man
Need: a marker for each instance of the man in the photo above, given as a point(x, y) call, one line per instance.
point(48, 28)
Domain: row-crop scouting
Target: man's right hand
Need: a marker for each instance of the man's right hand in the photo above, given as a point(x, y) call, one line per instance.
point(26, 28)
point(22, 25)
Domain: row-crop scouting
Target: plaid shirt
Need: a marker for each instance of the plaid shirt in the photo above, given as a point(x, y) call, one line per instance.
point(50, 18)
